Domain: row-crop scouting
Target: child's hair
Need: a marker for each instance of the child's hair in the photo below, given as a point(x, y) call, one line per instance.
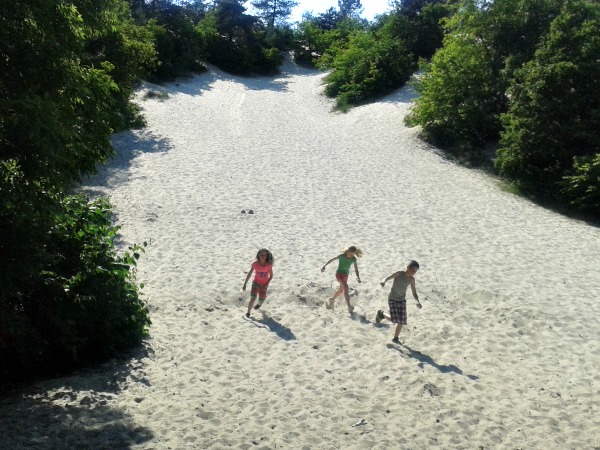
point(270, 258)
point(413, 264)
point(357, 251)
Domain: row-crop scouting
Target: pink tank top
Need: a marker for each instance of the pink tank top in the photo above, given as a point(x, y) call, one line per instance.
point(261, 273)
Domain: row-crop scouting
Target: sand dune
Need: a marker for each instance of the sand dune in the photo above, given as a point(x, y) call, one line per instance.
point(504, 353)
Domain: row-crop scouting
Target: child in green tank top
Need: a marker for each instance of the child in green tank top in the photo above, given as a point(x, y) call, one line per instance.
point(345, 261)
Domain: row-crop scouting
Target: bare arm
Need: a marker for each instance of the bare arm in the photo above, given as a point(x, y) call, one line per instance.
point(356, 270)
point(270, 276)
point(413, 287)
point(391, 277)
point(331, 260)
point(247, 278)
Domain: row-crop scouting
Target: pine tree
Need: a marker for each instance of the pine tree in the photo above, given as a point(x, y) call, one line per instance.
point(272, 11)
point(350, 8)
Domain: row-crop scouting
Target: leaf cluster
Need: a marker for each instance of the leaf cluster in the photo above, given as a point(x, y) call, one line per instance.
point(66, 297)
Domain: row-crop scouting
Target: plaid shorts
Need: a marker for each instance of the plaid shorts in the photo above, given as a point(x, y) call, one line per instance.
point(261, 290)
point(398, 311)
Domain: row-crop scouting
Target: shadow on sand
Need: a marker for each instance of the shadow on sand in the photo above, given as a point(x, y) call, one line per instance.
point(198, 84)
point(405, 94)
point(273, 326)
point(74, 412)
point(426, 359)
point(127, 145)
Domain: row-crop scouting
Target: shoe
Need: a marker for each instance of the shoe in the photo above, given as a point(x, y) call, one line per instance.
point(396, 341)
point(350, 309)
point(379, 317)
point(329, 303)
point(248, 315)
point(257, 306)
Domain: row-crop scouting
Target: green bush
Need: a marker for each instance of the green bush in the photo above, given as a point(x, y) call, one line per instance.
point(179, 51)
point(235, 45)
point(317, 42)
point(67, 298)
point(582, 189)
point(367, 69)
point(464, 91)
point(554, 115)
point(458, 91)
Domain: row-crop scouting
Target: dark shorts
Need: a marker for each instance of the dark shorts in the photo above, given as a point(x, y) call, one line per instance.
point(342, 277)
point(261, 290)
point(398, 311)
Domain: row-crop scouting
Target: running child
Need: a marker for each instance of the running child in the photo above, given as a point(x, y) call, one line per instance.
point(345, 260)
point(263, 268)
point(397, 297)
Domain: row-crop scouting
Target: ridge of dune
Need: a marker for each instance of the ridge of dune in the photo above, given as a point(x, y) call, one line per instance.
point(504, 353)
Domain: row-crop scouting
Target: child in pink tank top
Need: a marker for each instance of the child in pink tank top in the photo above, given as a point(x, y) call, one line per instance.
point(263, 269)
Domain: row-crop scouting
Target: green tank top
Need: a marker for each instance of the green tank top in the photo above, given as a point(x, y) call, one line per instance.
point(344, 264)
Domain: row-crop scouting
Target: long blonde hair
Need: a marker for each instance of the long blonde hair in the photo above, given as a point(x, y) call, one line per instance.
point(357, 251)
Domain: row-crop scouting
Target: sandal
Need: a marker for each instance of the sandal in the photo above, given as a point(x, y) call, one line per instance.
point(379, 317)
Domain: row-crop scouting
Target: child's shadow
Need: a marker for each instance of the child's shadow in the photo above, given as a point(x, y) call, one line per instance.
point(273, 326)
point(360, 318)
point(426, 359)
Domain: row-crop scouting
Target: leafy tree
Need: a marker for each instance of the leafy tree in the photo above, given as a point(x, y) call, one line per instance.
point(458, 90)
point(231, 20)
point(464, 90)
point(350, 8)
point(66, 297)
point(328, 20)
point(177, 44)
point(274, 11)
point(130, 51)
point(56, 113)
point(551, 128)
point(320, 38)
point(234, 41)
point(419, 25)
point(369, 67)
point(581, 189)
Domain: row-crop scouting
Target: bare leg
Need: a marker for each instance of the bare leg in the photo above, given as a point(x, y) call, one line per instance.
point(338, 292)
point(387, 316)
point(398, 330)
point(252, 300)
point(347, 295)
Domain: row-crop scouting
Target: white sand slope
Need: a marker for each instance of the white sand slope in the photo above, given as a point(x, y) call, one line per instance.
point(504, 353)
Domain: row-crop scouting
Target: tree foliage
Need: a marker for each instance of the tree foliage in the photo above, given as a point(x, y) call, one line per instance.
point(370, 67)
point(67, 70)
point(368, 60)
point(551, 128)
point(235, 42)
point(350, 8)
point(522, 74)
point(274, 12)
point(463, 91)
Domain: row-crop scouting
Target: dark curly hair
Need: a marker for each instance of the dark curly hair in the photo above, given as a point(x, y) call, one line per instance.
point(270, 258)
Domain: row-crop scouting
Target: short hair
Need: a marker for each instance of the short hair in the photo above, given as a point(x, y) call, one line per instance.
point(413, 264)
